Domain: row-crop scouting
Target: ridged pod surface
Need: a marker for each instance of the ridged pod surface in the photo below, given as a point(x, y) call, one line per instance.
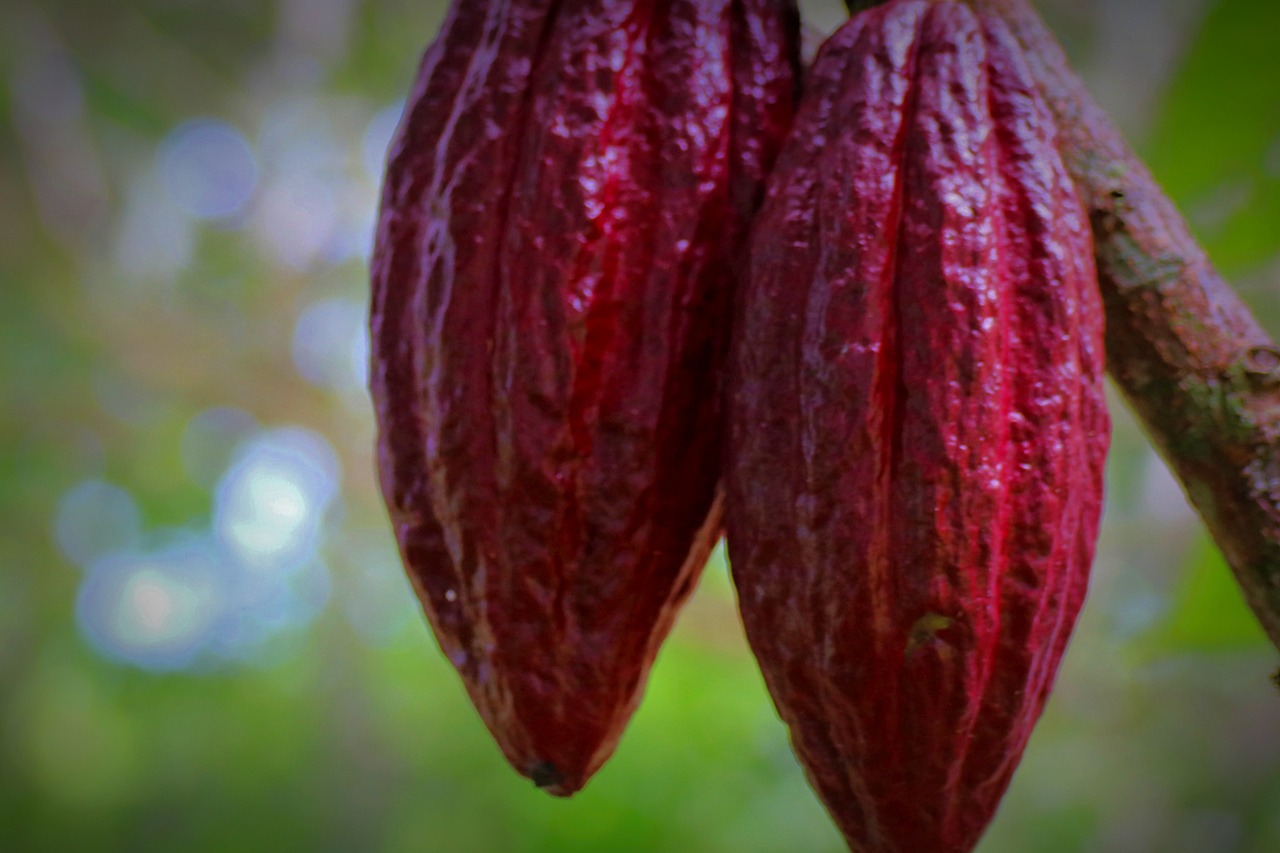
point(565, 202)
point(917, 424)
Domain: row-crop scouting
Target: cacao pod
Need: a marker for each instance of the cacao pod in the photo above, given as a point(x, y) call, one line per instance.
point(564, 203)
point(917, 424)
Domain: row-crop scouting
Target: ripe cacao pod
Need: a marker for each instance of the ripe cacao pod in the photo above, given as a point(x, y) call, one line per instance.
point(917, 424)
point(564, 204)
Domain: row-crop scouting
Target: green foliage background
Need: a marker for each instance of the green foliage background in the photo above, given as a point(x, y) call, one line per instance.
point(149, 347)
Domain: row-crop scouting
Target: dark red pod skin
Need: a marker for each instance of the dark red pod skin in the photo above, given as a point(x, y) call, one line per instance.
point(917, 424)
point(564, 205)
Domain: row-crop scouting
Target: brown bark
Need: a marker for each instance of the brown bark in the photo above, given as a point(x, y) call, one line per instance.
point(1196, 367)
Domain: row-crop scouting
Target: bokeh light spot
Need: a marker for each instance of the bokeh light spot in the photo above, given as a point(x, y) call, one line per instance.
point(209, 169)
point(330, 342)
point(267, 512)
point(155, 610)
point(95, 519)
point(269, 504)
point(299, 219)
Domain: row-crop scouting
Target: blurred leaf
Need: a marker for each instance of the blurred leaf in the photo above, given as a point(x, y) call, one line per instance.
point(1216, 147)
point(109, 101)
point(1209, 612)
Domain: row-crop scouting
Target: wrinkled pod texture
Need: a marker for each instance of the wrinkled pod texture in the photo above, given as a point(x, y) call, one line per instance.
point(565, 203)
point(917, 424)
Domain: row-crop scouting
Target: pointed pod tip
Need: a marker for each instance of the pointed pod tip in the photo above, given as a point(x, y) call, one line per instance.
point(548, 777)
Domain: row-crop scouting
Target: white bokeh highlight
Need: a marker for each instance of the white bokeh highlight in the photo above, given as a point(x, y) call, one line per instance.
point(154, 609)
point(269, 505)
point(223, 594)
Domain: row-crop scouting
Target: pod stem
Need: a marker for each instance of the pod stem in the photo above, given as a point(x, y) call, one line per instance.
point(1194, 364)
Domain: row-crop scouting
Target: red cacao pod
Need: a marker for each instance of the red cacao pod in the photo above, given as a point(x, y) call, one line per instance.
point(563, 205)
point(917, 424)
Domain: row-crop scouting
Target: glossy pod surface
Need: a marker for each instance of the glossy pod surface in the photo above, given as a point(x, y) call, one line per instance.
point(564, 205)
point(917, 424)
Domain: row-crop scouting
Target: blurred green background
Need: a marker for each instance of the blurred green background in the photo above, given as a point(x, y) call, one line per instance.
point(205, 639)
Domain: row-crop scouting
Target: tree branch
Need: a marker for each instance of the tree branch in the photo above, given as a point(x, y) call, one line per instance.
point(1197, 368)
